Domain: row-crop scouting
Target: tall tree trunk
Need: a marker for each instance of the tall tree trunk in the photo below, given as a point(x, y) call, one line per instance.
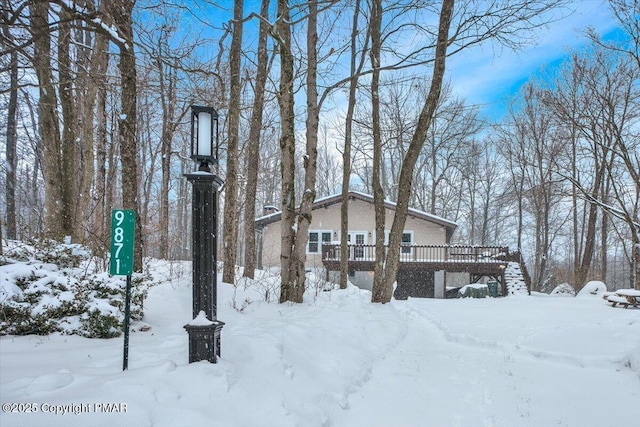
point(99, 241)
point(121, 12)
point(346, 154)
point(95, 79)
point(379, 292)
point(590, 237)
point(604, 232)
point(68, 186)
point(282, 30)
point(574, 201)
point(33, 189)
point(546, 232)
point(311, 157)
point(253, 148)
point(12, 132)
point(230, 231)
point(167, 81)
point(48, 122)
point(384, 290)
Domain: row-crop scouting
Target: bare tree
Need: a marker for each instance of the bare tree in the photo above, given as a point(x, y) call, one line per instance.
point(592, 124)
point(48, 121)
point(448, 144)
point(253, 148)
point(310, 157)
point(172, 113)
point(12, 126)
point(92, 67)
point(626, 13)
point(329, 166)
point(102, 148)
point(595, 98)
point(533, 148)
point(282, 35)
point(68, 161)
point(230, 231)
point(294, 239)
point(481, 176)
point(626, 149)
point(386, 276)
point(380, 292)
point(355, 70)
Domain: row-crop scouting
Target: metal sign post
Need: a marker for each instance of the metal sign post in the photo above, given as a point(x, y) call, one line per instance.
point(121, 263)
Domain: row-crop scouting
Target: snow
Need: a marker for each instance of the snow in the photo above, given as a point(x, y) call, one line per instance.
point(628, 292)
point(473, 286)
point(563, 289)
point(594, 287)
point(337, 360)
point(201, 320)
point(112, 30)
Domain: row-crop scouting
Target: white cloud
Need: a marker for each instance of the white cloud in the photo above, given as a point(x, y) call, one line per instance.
point(487, 75)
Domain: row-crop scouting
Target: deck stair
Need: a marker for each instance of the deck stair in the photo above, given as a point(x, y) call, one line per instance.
point(516, 283)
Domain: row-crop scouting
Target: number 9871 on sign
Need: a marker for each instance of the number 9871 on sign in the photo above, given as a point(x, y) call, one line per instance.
point(122, 238)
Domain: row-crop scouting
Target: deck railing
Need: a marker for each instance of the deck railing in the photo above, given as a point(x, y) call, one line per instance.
point(422, 253)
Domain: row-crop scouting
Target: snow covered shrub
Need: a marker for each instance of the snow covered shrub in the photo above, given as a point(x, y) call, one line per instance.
point(101, 324)
point(563, 289)
point(103, 314)
point(38, 297)
point(22, 321)
point(48, 251)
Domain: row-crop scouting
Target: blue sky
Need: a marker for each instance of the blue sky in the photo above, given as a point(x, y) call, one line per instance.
point(488, 77)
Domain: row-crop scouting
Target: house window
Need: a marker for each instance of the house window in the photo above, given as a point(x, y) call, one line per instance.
point(407, 240)
point(316, 237)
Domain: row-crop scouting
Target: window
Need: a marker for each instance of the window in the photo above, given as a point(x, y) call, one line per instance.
point(407, 239)
point(315, 239)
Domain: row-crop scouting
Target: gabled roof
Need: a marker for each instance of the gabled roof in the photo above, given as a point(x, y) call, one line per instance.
point(355, 195)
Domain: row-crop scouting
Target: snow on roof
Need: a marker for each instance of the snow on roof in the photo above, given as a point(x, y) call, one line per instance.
point(336, 198)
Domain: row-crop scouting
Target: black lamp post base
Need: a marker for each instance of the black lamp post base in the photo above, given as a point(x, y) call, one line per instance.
point(204, 341)
point(204, 334)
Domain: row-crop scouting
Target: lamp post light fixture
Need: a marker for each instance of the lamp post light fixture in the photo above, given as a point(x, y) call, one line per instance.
point(204, 329)
point(204, 136)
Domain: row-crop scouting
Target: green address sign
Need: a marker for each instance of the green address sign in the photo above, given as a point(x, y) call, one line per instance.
point(122, 234)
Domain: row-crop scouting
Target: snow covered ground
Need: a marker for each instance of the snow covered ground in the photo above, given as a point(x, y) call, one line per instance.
point(338, 360)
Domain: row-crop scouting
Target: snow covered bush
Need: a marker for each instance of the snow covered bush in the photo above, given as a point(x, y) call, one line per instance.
point(594, 287)
point(47, 251)
point(563, 289)
point(44, 290)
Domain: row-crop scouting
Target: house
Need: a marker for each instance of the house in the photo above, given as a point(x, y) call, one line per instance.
point(421, 230)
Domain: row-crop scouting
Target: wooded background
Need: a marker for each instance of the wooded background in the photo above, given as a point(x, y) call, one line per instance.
point(317, 98)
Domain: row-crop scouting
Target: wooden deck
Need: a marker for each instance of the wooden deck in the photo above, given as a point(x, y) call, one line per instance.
point(452, 258)
point(478, 261)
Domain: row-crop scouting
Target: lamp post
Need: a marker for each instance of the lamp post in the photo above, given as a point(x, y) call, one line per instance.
point(204, 329)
